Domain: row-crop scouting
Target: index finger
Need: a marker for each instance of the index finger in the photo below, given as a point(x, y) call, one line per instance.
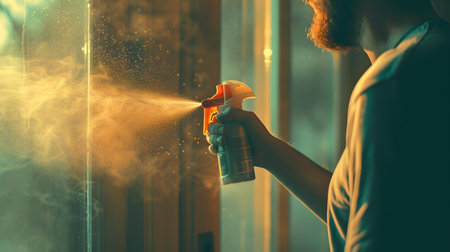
point(216, 129)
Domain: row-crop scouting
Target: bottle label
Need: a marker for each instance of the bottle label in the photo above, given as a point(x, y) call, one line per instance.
point(235, 158)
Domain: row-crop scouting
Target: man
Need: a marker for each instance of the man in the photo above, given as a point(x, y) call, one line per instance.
point(391, 187)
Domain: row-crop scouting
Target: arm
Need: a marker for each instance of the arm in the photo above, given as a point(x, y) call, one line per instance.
point(301, 176)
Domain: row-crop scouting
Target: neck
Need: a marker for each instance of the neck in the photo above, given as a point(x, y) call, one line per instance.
point(378, 37)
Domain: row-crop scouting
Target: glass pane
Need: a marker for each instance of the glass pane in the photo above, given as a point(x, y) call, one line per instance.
point(43, 123)
point(311, 122)
point(237, 231)
point(245, 219)
point(156, 183)
point(101, 144)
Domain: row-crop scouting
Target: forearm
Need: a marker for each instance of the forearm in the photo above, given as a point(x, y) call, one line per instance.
point(302, 177)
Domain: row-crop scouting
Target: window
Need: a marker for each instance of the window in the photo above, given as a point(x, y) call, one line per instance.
point(101, 136)
point(101, 142)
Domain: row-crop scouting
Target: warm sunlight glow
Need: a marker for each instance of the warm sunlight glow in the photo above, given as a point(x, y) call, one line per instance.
point(4, 30)
point(44, 119)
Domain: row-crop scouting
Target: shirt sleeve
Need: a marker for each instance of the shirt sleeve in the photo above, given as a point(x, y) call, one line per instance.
point(400, 172)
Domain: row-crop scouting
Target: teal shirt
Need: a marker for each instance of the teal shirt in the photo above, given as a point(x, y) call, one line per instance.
point(391, 188)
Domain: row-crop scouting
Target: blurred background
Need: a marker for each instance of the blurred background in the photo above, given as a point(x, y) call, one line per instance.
point(97, 153)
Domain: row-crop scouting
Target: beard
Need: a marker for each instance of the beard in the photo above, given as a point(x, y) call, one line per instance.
point(335, 26)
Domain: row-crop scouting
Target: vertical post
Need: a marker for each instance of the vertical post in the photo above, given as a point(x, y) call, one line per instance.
point(88, 180)
point(262, 71)
point(199, 74)
point(186, 170)
point(282, 112)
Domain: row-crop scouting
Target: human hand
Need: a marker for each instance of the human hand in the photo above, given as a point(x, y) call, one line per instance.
point(259, 137)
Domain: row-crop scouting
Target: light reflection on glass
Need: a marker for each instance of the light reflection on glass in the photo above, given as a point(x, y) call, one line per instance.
point(16, 8)
point(5, 26)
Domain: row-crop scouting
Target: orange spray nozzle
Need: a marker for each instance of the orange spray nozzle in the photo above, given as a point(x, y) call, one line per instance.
point(211, 107)
point(229, 93)
point(209, 102)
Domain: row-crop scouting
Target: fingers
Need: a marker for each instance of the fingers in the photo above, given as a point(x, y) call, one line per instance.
point(213, 149)
point(216, 129)
point(215, 139)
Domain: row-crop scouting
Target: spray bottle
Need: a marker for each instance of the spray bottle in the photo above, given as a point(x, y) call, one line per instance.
point(235, 156)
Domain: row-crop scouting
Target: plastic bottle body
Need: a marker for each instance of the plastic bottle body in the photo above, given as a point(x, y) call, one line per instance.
point(235, 156)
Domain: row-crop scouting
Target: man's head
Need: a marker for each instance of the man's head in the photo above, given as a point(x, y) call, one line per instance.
point(337, 24)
